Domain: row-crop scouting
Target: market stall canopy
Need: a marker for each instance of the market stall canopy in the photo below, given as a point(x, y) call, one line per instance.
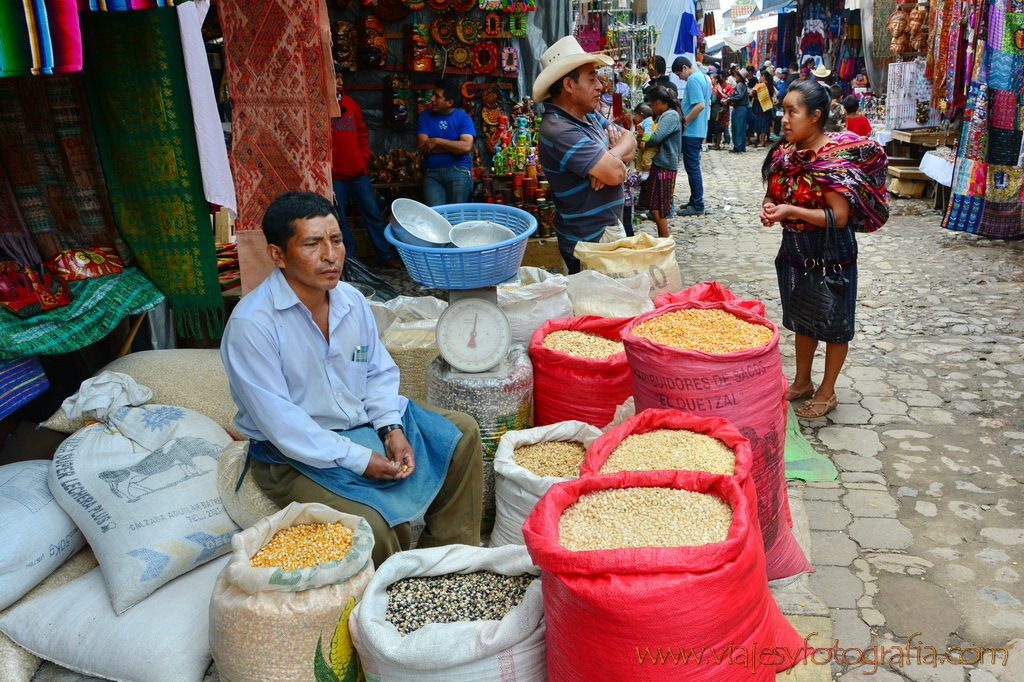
point(762, 24)
point(775, 6)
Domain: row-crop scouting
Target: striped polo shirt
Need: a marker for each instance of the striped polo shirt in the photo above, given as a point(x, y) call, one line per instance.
point(569, 148)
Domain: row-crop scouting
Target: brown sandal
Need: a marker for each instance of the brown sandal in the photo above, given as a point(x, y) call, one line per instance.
point(812, 408)
point(792, 395)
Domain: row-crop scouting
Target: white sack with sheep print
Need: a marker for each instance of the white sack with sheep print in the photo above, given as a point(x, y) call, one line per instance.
point(141, 483)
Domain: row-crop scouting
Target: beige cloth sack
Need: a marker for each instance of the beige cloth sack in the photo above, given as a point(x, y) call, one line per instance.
point(271, 625)
point(653, 256)
point(249, 503)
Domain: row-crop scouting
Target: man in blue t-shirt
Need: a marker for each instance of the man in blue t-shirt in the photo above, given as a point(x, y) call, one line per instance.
point(696, 107)
point(445, 137)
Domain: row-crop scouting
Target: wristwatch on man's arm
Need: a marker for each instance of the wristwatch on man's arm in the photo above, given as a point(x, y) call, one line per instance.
point(385, 430)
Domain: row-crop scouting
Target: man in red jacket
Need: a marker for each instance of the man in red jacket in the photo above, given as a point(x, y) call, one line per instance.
point(350, 150)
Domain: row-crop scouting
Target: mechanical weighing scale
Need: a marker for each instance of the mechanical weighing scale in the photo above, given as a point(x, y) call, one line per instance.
point(473, 334)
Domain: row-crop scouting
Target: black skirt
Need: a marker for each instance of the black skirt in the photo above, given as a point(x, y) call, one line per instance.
point(800, 246)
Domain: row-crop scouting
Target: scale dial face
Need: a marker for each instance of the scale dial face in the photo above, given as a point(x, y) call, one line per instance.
point(473, 335)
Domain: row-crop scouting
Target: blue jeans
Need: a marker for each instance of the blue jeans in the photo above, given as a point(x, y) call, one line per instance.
point(739, 128)
point(361, 191)
point(448, 185)
point(691, 162)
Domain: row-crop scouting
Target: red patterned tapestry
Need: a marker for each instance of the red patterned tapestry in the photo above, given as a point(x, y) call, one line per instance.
point(281, 82)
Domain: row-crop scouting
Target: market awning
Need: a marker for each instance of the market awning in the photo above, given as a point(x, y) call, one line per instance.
point(772, 6)
point(762, 24)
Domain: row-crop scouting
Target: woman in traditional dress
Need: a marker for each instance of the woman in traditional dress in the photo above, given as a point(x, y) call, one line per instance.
point(718, 122)
point(807, 171)
point(762, 108)
point(656, 192)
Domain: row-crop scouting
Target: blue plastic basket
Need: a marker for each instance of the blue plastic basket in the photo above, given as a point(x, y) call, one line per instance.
point(472, 267)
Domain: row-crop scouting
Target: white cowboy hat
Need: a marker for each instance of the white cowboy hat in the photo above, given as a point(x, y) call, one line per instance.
point(821, 72)
point(561, 58)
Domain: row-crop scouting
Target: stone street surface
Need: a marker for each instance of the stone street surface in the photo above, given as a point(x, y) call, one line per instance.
point(923, 531)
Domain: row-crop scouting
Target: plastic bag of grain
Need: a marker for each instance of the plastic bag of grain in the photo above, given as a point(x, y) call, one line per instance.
point(289, 625)
point(38, 534)
point(411, 341)
point(141, 483)
point(165, 638)
point(498, 403)
point(16, 664)
point(508, 650)
point(191, 378)
point(641, 253)
point(516, 488)
point(663, 609)
point(594, 293)
point(246, 503)
point(738, 377)
point(711, 292)
point(570, 386)
point(537, 296)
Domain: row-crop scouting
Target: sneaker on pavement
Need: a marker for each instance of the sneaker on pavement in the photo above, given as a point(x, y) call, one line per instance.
point(691, 210)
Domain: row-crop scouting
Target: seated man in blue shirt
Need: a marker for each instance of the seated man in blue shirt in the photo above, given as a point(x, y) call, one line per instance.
point(317, 396)
point(445, 137)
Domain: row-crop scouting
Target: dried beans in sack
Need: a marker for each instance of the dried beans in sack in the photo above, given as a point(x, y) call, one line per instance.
point(745, 387)
point(711, 292)
point(628, 613)
point(570, 387)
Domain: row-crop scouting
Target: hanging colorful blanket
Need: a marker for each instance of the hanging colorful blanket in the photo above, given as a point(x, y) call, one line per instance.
point(39, 37)
point(280, 116)
point(48, 154)
point(134, 63)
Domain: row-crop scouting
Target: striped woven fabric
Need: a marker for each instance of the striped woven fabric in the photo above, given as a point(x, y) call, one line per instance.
point(97, 306)
point(39, 37)
point(21, 380)
point(121, 5)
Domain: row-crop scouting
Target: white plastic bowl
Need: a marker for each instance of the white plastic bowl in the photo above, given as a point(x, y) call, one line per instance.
point(479, 233)
point(418, 224)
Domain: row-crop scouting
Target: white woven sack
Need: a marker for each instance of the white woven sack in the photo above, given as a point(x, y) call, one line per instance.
point(283, 626)
point(163, 639)
point(141, 483)
point(509, 650)
point(630, 256)
point(595, 293)
point(517, 490)
point(38, 534)
point(249, 503)
point(543, 296)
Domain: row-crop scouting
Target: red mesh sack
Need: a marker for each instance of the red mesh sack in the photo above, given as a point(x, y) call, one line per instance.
point(660, 613)
point(570, 388)
point(744, 387)
point(710, 292)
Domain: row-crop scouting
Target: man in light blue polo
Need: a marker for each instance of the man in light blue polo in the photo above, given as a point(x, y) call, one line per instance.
point(696, 107)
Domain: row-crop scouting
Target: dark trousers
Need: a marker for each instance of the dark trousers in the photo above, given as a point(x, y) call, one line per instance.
point(452, 518)
point(691, 162)
point(739, 128)
point(361, 191)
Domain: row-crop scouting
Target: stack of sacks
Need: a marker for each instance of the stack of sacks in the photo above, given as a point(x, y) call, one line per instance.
point(140, 482)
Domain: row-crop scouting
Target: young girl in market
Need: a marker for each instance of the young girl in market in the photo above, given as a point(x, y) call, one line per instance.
point(656, 192)
point(806, 171)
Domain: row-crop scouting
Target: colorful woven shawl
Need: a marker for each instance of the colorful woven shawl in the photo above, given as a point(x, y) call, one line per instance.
point(39, 37)
point(133, 63)
point(48, 154)
point(21, 380)
point(854, 166)
point(279, 72)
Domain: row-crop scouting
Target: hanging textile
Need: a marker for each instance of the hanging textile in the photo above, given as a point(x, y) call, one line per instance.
point(133, 63)
point(709, 24)
point(987, 196)
point(49, 156)
point(787, 30)
point(121, 5)
point(39, 37)
point(15, 241)
point(280, 116)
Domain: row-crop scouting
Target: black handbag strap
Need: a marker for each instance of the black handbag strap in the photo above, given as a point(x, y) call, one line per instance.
point(831, 239)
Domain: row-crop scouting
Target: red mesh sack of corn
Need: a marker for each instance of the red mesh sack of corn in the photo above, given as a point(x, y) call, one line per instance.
point(701, 613)
point(711, 292)
point(569, 387)
point(724, 362)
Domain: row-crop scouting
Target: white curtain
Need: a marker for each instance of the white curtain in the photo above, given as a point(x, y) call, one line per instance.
point(666, 14)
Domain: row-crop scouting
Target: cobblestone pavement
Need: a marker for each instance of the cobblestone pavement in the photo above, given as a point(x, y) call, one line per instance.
point(922, 533)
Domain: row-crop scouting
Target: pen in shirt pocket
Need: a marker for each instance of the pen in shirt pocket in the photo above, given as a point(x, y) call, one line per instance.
point(361, 354)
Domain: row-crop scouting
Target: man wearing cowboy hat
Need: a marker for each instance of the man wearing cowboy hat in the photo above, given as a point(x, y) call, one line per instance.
point(583, 155)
